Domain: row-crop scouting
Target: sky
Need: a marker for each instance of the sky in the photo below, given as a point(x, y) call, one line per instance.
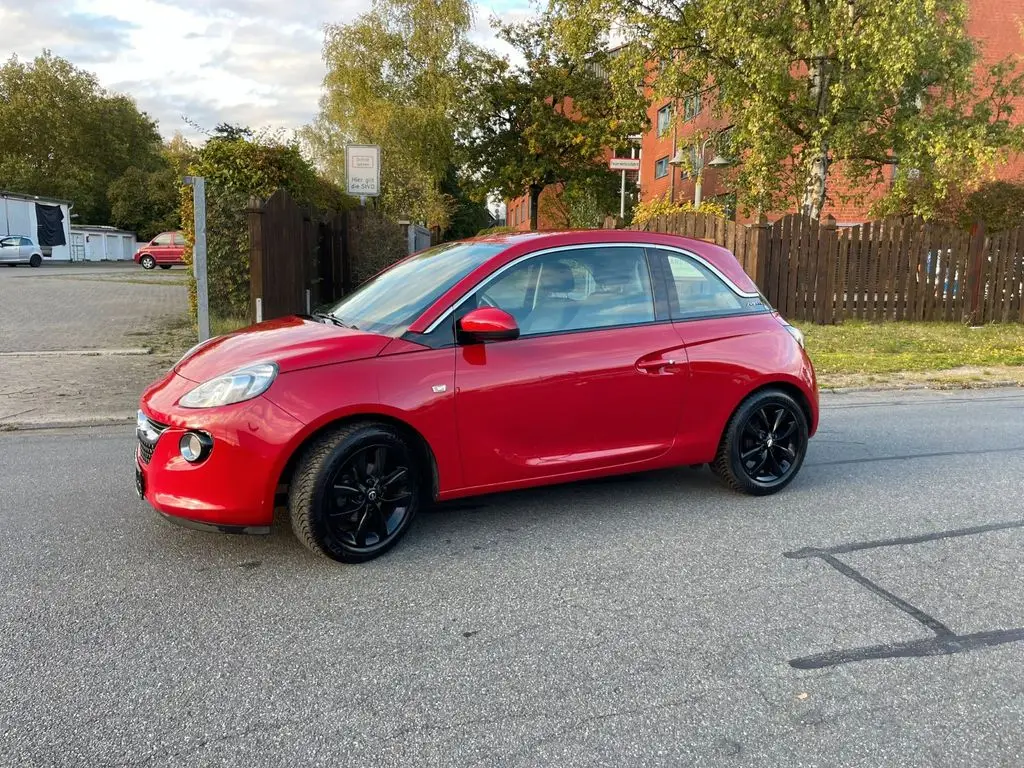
point(249, 62)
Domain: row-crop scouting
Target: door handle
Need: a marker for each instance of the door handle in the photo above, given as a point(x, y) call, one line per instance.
point(657, 366)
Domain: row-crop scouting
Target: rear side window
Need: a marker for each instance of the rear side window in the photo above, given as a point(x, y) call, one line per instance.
point(179, 239)
point(164, 239)
point(695, 291)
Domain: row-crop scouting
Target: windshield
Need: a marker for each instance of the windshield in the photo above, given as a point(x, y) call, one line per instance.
point(395, 298)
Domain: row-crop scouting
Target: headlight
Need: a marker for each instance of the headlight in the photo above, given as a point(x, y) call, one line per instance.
point(235, 387)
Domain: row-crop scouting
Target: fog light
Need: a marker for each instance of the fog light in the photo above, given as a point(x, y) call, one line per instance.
point(195, 446)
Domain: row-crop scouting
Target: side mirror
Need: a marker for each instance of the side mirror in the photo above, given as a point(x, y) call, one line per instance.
point(487, 324)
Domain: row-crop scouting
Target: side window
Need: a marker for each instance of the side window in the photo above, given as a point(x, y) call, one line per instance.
point(26, 241)
point(164, 239)
point(574, 290)
point(701, 293)
point(179, 239)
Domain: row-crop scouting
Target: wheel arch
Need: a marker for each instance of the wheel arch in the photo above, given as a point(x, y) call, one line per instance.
point(416, 439)
point(789, 387)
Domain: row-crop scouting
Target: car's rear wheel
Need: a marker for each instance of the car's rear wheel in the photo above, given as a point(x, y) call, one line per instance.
point(35, 260)
point(355, 491)
point(764, 444)
point(165, 266)
point(147, 262)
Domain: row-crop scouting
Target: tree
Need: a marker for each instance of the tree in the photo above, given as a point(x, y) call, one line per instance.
point(62, 135)
point(148, 202)
point(586, 200)
point(546, 122)
point(396, 77)
point(814, 86)
point(468, 215)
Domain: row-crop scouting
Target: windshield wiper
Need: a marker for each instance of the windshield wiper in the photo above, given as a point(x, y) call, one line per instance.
point(328, 316)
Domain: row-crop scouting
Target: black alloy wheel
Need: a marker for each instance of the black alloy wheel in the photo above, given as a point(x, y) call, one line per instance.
point(764, 445)
point(372, 497)
point(355, 492)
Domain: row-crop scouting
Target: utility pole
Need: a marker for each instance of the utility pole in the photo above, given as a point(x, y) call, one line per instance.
point(198, 184)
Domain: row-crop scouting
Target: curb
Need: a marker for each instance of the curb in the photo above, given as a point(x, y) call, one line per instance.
point(937, 387)
point(38, 426)
point(82, 352)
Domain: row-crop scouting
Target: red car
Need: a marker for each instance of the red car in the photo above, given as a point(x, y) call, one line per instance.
point(165, 250)
point(479, 366)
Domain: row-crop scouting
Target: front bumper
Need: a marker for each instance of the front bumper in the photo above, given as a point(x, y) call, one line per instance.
point(233, 489)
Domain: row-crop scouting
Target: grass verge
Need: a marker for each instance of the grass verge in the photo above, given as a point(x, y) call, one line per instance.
point(221, 325)
point(936, 354)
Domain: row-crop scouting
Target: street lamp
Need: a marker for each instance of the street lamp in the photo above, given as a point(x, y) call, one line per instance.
point(718, 161)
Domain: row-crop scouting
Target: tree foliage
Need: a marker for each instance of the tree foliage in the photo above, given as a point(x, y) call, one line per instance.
point(148, 202)
point(397, 76)
point(1000, 204)
point(815, 86)
point(63, 136)
point(586, 200)
point(546, 122)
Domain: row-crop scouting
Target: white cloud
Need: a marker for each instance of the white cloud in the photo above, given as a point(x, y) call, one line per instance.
point(253, 62)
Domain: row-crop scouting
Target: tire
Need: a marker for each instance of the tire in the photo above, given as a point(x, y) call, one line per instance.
point(346, 458)
point(762, 451)
point(35, 260)
point(148, 262)
point(165, 266)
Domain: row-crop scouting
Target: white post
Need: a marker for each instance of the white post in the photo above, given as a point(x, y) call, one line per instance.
point(308, 306)
point(199, 257)
point(622, 196)
point(259, 310)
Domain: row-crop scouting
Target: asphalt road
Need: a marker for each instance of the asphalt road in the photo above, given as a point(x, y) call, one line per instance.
point(647, 621)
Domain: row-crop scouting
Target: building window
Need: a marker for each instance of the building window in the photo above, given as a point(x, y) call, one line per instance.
point(661, 168)
point(664, 119)
point(691, 107)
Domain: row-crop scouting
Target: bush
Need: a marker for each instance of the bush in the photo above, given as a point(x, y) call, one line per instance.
point(662, 206)
point(501, 230)
point(237, 168)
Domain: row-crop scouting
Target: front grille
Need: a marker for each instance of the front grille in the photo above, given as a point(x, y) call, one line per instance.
point(148, 432)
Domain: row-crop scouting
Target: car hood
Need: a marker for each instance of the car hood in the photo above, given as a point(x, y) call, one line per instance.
point(291, 342)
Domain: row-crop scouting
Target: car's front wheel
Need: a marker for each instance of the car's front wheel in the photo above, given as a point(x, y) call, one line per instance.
point(764, 444)
point(147, 262)
point(355, 491)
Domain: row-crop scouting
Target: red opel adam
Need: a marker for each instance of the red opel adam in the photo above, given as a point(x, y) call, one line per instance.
point(479, 366)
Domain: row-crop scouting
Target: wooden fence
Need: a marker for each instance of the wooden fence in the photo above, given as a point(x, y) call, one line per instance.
point(894, 269)
point(300, 258)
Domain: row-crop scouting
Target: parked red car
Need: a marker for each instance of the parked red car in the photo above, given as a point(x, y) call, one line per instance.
point(165, 250)
point(478, 366)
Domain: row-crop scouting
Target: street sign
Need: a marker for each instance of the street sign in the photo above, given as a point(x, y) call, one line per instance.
point(624, 164)
point(362, 170)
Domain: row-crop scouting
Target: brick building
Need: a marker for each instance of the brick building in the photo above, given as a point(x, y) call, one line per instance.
point(996, 25)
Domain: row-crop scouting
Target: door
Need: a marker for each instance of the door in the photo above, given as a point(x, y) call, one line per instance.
point(161, 247)
point(725, 339)
point(10, 250)
point(179, 247)
point(596, 379)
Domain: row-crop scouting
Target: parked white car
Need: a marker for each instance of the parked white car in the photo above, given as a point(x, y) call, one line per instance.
point(16, 250)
